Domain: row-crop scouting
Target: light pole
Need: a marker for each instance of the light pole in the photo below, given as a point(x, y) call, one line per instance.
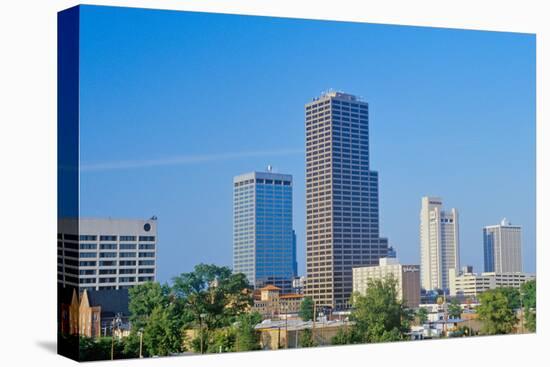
point(237, 324)
point(140, 332)
point(115, 326)
point(201, 316)
point(521, 310)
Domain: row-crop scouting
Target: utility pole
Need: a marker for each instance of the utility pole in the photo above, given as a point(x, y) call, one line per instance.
point(141, 343)
point(286, 328)
point(314, 317)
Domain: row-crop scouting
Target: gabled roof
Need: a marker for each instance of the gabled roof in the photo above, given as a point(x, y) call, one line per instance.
point(112, 301)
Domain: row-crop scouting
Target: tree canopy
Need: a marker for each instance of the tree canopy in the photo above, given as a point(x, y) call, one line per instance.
point(306, 309)
point(529, 300)
point(454, 309)
point(495, 312)
point(379, 316)
point(213, 296)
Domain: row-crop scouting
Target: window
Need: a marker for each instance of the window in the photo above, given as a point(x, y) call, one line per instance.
point(88, 246)
point(108, 246)
point(107, 280)
point(127, 254)
point(127, 246)
point(107, 238)
point(147, 238)
point(86, 263)
point(107, 263)
point(107, 271)
point(127, 238)
point(127, 262)
point(107, 254)
point(87, 237)
point(146, 246)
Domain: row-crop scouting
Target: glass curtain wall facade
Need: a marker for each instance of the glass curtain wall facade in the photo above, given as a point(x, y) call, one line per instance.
point(263, 236)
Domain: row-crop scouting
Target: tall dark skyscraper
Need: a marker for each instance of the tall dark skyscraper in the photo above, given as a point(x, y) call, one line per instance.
point(342, 225)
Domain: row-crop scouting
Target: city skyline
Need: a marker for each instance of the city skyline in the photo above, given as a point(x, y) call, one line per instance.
point(151, 137)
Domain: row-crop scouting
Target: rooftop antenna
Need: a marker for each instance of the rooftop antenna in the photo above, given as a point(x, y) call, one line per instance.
point(269, 168)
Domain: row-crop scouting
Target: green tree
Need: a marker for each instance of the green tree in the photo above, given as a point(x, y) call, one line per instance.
point(221, 340)
point(379, 316)
point(454, 310)
point(513, 297)
point(213, 296)
point(247, 337)
point(306, 309)
point(160, 316)
point(529, 300)
point(97, 349)
point(422, 315)
point(163, 334)
point(495, 312)
point(305, 339)
point(143, 299)
point(346, 335)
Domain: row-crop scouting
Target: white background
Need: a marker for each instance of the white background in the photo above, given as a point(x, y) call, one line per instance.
point(28, 181)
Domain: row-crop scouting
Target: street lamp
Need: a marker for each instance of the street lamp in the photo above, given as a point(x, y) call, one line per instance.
point(237, 324)
point(117, 321)
point(201, 316)
point(140, 332)
point(521, 310)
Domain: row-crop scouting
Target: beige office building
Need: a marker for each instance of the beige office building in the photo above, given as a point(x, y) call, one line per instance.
point(407, 276)
point(342, 222)
point(472, 284)
point(439, 243)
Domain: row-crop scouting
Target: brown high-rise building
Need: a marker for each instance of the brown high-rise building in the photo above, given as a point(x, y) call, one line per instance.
point(342, 229)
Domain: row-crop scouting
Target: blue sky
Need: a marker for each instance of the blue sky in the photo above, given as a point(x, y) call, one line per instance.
point(174, 104)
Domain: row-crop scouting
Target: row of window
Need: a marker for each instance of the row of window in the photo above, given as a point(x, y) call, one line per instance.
point(86, 237)
point(114, 280)
point(110, 263)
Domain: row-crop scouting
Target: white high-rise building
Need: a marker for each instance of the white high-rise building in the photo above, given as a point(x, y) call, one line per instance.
point(439, 243)
point(502, 248)
point(106, 253)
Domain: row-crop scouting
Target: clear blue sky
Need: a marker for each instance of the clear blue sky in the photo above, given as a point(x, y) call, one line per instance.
point(174, 104)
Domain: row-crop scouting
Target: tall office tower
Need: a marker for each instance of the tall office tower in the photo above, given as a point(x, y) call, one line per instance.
point(502, 248)
point(341, 197)
point(106, 253)
point(263, 238)
point(439, 244)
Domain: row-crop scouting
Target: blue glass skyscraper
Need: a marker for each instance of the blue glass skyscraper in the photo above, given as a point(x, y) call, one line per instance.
point(264, 245)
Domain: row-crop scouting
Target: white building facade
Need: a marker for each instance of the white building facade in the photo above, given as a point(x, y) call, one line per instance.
point(98, 253)
point(439, 243)
point(407, 277)
point(502, 248)
point(472, 284)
